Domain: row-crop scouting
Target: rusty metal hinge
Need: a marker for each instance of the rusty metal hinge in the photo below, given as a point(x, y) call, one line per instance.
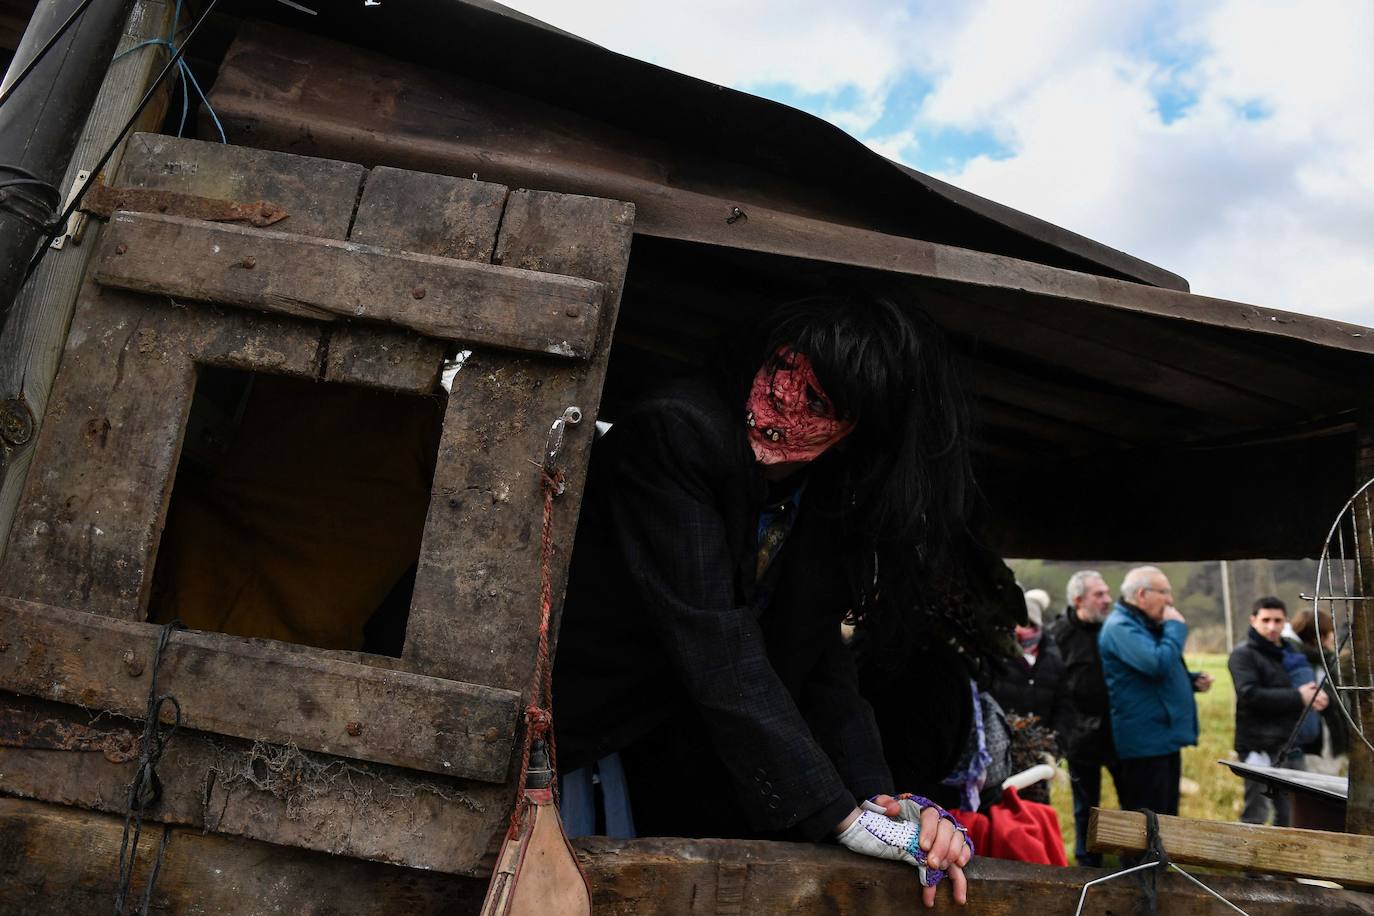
point(102, 201)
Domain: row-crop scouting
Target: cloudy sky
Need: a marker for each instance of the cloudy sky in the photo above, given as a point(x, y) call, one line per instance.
point(1231, 141)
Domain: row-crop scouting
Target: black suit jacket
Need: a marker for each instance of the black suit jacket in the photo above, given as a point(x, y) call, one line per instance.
point(661, 628)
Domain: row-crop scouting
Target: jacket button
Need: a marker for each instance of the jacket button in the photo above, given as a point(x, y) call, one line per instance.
point(774, 801)
point(767, 786)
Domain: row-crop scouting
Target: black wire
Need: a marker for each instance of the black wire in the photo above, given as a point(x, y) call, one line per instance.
point(43, 51)
point(119, 138)
point(35, 183)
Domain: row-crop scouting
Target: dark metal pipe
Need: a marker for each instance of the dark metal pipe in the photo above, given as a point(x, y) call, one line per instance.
point(42, 120)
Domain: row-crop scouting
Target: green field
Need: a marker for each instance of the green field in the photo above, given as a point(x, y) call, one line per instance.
point(1219, 794)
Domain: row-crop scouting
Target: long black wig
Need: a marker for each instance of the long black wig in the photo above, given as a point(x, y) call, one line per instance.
point(904, 492)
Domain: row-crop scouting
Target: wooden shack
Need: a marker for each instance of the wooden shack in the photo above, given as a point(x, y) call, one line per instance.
point(252, 337)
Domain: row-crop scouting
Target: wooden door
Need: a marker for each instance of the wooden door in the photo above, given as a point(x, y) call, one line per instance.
point(370, 280)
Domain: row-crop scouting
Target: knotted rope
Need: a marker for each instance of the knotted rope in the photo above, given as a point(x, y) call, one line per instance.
point(539, 718)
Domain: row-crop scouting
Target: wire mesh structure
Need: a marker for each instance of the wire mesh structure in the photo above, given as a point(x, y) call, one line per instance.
point(1345, 591)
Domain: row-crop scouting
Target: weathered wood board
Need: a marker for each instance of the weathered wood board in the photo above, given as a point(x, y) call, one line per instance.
point(475, 611)
point(445, 298)
point(429, 214)
point(89, 522)
point(274, 793)
point(1344, 858)
point(249, 688)
point(63, 861)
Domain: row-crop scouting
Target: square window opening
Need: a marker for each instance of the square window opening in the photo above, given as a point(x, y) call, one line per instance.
point(297, 511)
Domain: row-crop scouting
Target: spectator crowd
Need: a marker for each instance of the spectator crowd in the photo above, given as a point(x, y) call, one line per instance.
point(1109, 679)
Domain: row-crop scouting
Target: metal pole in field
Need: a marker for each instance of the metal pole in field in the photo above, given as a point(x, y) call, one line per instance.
point(1226, 605)
point(41, 118)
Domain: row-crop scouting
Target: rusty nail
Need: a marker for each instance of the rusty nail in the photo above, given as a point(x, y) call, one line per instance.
point(418, 292)
point(490, 735)
point(572, 311)
point(354, 728)
point(266, 211)
point(133, 666)
point(736, 214)
point(249, 262)
point(120, 249)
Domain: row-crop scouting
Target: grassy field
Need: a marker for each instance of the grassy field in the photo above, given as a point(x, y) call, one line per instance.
point(1219, 794)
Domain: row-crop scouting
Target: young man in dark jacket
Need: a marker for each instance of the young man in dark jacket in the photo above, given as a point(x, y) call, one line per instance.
point(1267, 704)
point(1087, 740)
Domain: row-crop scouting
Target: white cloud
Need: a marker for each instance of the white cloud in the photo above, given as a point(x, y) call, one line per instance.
point(1277, 210)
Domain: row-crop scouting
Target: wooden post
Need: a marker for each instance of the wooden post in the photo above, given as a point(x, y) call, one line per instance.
point(1226, 606)
point(1359, 809)
point(37, 326)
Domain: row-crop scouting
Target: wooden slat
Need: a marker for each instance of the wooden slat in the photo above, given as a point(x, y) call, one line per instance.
point(249, 689)
point(475, 611)
point(476, 304)
point(63, 863)
point(429, 214)
point(319, 195)
point(36, 328)
point(277, 794)
point(1341, 857)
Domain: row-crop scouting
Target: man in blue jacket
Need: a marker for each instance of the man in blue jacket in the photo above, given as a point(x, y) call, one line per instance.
point(1150, 689)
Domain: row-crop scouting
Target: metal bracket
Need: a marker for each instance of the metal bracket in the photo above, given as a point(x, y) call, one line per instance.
point(76, 223)
point(553, 444)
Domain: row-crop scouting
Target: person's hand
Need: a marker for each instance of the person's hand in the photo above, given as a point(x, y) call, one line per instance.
point(1203, 682)
point(946, 844)
point(903, 830)
point(1322, 701)
point(1307, 691)
point(1171, 613)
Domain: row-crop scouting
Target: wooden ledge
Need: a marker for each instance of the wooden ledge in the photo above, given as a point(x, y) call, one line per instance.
point(251, 688)
point(326, 279)
point(1345, 858)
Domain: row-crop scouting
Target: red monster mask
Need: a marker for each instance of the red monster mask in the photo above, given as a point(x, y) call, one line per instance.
point(789, 415)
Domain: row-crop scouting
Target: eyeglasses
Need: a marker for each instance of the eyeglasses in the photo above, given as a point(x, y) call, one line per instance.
point(1162, 591)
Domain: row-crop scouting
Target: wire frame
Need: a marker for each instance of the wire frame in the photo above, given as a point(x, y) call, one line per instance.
point(1345, 590)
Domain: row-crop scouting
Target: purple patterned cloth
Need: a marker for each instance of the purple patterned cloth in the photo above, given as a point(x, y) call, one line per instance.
point(971, 773)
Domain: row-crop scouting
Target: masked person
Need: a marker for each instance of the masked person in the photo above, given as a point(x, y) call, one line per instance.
point(729, 526)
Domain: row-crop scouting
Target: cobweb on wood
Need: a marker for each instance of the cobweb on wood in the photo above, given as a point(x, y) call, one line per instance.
point(1345, 591)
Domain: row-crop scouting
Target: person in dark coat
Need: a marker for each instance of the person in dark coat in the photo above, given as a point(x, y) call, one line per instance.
point(1033, 682)
point(1087, 741)
point(1268, 705)
point(728, 528)
point(1318, 644)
